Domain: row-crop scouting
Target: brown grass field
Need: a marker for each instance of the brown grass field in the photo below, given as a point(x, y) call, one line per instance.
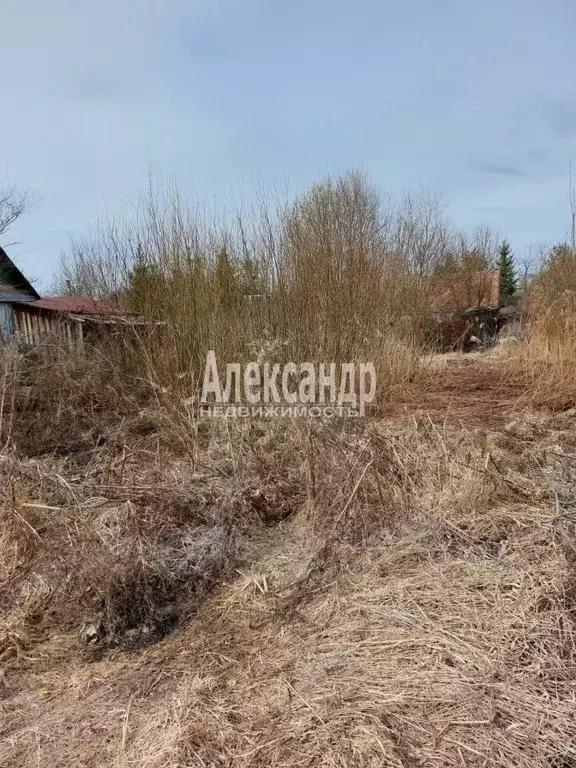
point(399, 591)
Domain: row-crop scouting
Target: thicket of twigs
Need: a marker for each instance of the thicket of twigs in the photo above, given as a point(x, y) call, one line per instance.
point(340, 274)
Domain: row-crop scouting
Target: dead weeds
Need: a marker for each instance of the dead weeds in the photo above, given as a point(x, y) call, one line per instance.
point(341, 595)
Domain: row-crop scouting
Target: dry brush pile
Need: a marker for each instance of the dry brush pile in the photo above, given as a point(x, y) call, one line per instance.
point(290, 594)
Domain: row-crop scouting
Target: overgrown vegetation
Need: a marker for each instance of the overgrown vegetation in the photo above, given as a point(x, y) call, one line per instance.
point(342, 273)
point(398, 590)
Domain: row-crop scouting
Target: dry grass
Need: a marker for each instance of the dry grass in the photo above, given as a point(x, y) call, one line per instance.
point(18, 633)
point(177, 592)
point(546, 358)
point(402, 594)
point(158, 583)
point(546, 361)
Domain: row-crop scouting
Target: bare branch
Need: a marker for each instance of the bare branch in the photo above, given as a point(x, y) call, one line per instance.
point(13, 203)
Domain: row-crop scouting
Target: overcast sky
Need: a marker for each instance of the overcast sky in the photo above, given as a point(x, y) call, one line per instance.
point(474, 99)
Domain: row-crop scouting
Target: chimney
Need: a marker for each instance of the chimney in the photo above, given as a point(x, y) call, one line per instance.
point(69, 287)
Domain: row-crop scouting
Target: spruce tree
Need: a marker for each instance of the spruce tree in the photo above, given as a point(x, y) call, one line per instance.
point(508, 280)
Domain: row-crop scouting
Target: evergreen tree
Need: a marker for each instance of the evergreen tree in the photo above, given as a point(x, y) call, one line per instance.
point(225, 279)
point(145, 289)
point(508, 280)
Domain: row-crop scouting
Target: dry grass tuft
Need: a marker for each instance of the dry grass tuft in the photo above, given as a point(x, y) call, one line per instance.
point(18, 628)
point(154, 587)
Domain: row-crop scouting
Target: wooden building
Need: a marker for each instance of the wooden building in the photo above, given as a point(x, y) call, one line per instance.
point(30, 320)
point(14, 289)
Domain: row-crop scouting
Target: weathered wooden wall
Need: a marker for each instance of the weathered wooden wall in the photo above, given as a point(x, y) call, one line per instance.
point(31, 327)
point(6, 320)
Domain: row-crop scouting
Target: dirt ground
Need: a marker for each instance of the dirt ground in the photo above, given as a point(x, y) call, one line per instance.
point(463, 390)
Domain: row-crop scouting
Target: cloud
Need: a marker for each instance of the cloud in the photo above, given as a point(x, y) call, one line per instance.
point(499, 169)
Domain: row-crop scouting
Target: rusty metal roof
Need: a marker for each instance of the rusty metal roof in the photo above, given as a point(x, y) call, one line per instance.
point(77, 305)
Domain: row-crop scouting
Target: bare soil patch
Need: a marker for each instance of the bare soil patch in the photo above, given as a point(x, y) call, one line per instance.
point(463, 390)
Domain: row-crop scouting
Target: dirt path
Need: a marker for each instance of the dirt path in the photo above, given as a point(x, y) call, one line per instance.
point(468, 390)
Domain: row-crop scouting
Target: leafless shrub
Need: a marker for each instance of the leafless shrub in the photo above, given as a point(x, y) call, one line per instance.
point(55, 400)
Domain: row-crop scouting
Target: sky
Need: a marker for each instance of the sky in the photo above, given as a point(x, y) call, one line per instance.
point(474, 100)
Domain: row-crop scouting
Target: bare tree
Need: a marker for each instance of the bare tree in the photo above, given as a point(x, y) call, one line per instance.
point(13, 203)
point(421, 232)
point(531, 263)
